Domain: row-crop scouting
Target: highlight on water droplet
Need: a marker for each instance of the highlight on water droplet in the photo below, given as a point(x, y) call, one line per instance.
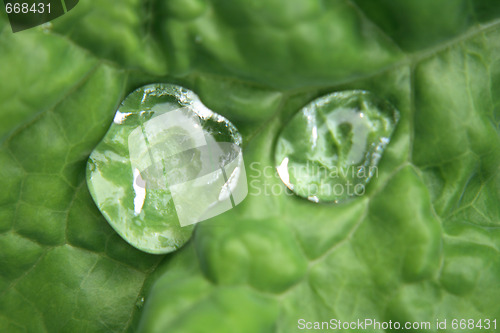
point(331, 148)
point(166, 162)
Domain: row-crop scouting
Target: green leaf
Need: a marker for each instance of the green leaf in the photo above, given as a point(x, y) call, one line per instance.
point(422, 243)
point(62, 267)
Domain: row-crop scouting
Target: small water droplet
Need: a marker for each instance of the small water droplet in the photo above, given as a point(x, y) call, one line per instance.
point(166, 162)
point(330, 150)
point(46, 27)
point(140, 302)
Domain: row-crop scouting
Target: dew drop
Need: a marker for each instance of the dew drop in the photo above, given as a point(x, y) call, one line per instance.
point(140, 302)
point(166, 162)
point(46, 27)
point(330, 150)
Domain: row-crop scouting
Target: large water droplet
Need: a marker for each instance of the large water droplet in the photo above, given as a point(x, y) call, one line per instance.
point(330, 150)
point(166, 163)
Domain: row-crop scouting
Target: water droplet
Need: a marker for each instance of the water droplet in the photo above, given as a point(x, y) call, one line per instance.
point(166, 162)
point(140, 302)
point(46, 27)
point(330, 150)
